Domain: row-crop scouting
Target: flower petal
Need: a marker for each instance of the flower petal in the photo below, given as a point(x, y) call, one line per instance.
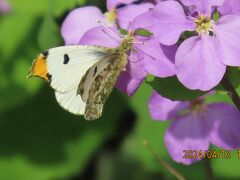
point(114, 3)
point(160, 62)
point(230, 7)
point(4, 6)
point(170, 22)
point(127, 14)
point(126, 83)
point(204, 6)
point(164, 109)
point(100, 36)
point(226, 125)
point(167, 21)
point(197, 63)
point(227, 36)
point(158, 1)
point(189, 132)
point(76, 23)
point(144, 20)
point(135, 70)
point(132, 78)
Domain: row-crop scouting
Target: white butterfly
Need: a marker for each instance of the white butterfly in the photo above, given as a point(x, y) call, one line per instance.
point(82, 76)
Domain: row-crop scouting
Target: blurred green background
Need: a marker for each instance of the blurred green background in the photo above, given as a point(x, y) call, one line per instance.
point(39, 140)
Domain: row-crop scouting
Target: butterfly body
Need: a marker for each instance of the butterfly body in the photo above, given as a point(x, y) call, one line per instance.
point(82, 76)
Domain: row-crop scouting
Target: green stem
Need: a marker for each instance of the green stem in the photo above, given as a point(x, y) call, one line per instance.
point(164, 163)
point(232, 93)
point(208, 169)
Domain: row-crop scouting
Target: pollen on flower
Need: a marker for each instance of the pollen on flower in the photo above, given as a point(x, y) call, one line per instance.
point(111, 16)
point(204, 25)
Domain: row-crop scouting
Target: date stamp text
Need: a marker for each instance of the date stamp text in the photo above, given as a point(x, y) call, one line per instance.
point(209, 154)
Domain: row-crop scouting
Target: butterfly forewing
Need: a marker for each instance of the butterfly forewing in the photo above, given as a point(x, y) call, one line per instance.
point(65, 66)
point(73, 65)
point(97, 90)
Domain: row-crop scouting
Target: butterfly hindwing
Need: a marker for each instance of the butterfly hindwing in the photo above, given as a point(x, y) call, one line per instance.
point(98, 84)
point(92, 74)
point(71, 102)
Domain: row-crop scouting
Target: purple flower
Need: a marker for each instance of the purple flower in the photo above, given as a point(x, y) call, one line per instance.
point(196, 125)
point(230, 7)
point(82, 19)
point(200, 60)
point(4, 6)
point(152, 57)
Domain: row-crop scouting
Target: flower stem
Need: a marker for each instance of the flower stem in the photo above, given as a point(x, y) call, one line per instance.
point(232, 93)
point(208, 169)
point(164, 163)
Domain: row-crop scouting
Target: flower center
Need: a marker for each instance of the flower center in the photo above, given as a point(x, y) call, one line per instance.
point(127, 42)
point(111, 16)
point(204, 25)
point(197, 105)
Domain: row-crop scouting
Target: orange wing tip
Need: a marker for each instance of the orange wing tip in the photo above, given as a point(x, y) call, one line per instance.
point(39, 67)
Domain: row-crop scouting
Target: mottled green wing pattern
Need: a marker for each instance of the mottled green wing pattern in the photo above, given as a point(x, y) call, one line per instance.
point(98, 83)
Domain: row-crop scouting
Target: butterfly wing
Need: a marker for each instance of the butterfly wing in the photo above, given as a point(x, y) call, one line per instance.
point(98, 83)
point(71, 102)
point(63, 67)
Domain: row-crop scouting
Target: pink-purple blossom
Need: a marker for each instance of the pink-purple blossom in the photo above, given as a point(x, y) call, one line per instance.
point(4, 6)
point(196, 125)
point(151, 57)
point(200, 60)
point(82, 19)
point(230, 7)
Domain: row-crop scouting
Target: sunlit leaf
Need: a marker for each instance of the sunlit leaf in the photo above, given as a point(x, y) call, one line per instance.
point(172, 89)
point(49, 34)
point(123, 31)
point(15, 29)
point(60, 6)
point(233, 74)
point(40, 140)
point(143, 32)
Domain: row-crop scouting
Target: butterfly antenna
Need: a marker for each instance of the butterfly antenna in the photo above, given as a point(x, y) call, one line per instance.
point(138, 42)
point(109, 30)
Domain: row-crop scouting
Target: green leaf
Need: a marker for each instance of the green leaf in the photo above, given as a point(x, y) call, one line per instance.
point(49, 34)
point(123, 31)
point(216, 16)
point(111, 165)
point(233, 74)
point(15, 29)
point(15, 87)
point(17, 24)
point(40, 140)
point(172, 89)
point(29, 7)
point(143, 32)
point(60, 6)
point(226, 168)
